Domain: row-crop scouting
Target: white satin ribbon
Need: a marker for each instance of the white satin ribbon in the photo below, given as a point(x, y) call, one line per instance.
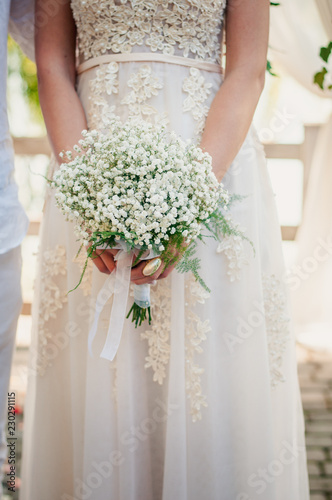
point(117, 284)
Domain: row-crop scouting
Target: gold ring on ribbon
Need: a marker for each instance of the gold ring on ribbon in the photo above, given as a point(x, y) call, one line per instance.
point(152, 266)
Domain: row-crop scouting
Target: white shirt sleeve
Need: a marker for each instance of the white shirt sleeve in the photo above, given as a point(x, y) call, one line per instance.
point(21, 25)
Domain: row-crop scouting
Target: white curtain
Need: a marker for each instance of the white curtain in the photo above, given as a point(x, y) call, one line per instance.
point(298, 29)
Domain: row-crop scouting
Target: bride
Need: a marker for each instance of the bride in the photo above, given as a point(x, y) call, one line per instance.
point(204, 403)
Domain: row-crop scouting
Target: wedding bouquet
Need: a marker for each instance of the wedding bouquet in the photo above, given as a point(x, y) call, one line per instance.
point(143, 191)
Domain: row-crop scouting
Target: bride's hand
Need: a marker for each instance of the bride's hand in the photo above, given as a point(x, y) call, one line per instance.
point(104, 260)
point(138, 278)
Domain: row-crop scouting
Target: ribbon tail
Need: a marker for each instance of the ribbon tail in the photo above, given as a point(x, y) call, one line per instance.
point(118, 313)
point(103, 296)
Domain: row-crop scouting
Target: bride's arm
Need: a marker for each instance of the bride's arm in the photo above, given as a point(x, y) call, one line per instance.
point(55, 42)
point(232, 110)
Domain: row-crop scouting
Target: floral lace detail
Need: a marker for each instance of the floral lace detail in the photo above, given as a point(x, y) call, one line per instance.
point(199, 91)
point(104, 84)
point(191, 28)
point(158, 339)
point(144, 85)
point(232, 247)
point(86, 283)
point(277, 326)
point(158, 335)
point(196, 331)
point(52, 298)
point(114, 374)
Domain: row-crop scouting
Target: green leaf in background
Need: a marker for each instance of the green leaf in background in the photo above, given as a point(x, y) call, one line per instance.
point(269, 68)
point(319, 78)
point(325, 52)
point(20, 65)
point(268, 64)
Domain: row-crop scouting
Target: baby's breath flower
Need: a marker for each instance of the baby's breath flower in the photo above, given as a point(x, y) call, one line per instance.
point(139, 182)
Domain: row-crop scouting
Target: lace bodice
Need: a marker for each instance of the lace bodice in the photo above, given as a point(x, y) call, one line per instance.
point(189, 28)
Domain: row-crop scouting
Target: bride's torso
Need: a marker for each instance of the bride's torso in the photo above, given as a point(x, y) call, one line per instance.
point(188, 28)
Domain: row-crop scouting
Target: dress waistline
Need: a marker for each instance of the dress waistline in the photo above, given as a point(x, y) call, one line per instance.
point(148, 57)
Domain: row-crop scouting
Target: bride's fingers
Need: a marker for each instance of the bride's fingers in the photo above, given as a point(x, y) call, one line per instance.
point(138, 278)
point(100, 265)
point(107, 258)
point(166, 272)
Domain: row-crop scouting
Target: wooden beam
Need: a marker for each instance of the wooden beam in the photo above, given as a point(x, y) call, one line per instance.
point(289, 232)
point(33, 229)
point(26, 309)
point(31, 146)
point(284, 151)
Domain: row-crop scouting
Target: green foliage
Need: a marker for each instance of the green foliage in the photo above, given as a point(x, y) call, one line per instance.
point(218, 226)
point(269, 68)
point(325, 52)
point(22, 66)
point(319, 77)
point(139, 314)
point(192, 264)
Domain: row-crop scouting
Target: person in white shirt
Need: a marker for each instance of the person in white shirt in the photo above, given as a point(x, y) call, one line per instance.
point(17, 15)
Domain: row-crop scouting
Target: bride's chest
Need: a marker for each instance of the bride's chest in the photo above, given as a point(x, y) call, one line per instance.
point(182, 27)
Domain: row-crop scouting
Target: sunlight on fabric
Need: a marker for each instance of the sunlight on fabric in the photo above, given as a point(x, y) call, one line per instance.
point(287, 181)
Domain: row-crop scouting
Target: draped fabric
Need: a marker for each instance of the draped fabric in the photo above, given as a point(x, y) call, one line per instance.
point(297, 33)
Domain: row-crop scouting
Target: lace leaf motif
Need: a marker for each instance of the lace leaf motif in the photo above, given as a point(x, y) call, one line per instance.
point(52, 299)
point(277, 326)
point(191, 28)
point(144, 84)
point(158, 337)
point(196, 331)
point(198, 91)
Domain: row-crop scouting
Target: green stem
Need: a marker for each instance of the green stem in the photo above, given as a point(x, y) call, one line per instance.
point(139, 314)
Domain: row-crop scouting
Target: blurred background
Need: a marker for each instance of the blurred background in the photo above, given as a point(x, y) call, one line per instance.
point(294, 121)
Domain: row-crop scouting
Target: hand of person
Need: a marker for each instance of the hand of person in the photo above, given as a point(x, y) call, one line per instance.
point(104, 260)
point(138, 278)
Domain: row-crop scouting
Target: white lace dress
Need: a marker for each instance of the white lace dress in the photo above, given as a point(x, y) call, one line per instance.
point(204, 403)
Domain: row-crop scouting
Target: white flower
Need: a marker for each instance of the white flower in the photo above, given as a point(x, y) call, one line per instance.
point(139, 182)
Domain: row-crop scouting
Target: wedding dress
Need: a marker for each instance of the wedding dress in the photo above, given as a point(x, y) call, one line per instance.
point(204, 403)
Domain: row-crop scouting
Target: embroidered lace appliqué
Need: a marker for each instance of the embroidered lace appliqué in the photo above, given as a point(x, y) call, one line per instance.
point(277, 326)
point(195, 334)
point(103, 85)
point(158, 335)
point(232, 247)
point(199, 91)
point(191, 28)
point(52, 298)
point(144, 85)
point(196, 331)
point(86, 283)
